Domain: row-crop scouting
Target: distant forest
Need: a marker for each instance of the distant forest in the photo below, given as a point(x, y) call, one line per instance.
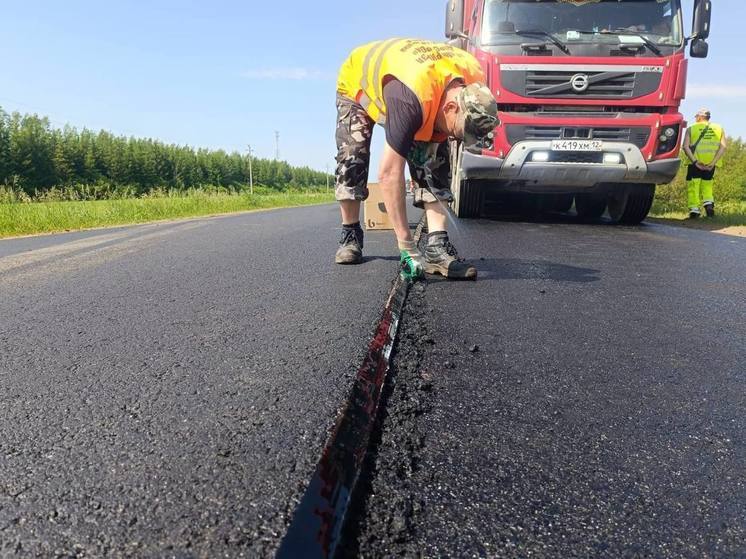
point(35, 157)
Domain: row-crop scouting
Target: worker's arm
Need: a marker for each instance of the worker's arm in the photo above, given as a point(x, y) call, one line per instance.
point(403, 120)
point(721, 151)
point(687, 146)
point(391, 181)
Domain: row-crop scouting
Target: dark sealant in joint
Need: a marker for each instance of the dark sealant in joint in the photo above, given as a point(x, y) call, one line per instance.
point(318, 519)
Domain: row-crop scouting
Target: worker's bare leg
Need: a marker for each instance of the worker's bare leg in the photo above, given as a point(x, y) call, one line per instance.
point(350, 211)
point(437, 216)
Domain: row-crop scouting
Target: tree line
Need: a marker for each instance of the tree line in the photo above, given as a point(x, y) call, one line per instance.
point(35, 157)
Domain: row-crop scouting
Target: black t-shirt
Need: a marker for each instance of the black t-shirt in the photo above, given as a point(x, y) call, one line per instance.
point(403, 116)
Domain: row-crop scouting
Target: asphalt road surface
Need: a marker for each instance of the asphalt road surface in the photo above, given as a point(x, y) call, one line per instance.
point(585, 398)
point(166, 391)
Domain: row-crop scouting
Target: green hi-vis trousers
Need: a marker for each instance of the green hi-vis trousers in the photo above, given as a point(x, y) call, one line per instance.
point(699, 185)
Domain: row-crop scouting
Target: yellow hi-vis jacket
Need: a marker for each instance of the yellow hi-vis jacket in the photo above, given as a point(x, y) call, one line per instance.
point(425, 67)
point(709, 145)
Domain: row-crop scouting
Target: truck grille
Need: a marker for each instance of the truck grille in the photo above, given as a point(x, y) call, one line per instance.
point(637, 135)
point(569, 81)
point(559, 84)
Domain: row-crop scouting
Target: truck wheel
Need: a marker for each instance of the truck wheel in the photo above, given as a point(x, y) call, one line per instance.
point(467, 195)
point(590, 205)
point(630, 204)
point(467, 199)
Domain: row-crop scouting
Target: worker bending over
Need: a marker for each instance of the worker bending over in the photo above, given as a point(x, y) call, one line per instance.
point(422, 93)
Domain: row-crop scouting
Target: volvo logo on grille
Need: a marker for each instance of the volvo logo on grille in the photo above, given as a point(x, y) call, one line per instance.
point(579, 82)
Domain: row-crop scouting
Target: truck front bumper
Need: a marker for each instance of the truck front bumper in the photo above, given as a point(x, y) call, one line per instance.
point(520, 169)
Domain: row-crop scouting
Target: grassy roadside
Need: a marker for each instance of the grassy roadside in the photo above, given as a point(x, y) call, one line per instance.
point(730, 219)
point(49, 217)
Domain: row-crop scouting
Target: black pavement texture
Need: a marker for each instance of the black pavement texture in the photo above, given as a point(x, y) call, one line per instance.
point(586, 397)
point(166, 390)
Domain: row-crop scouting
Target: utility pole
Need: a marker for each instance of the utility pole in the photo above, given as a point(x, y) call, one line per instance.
point(277, 145)
point(251, 174)
point(327, 177)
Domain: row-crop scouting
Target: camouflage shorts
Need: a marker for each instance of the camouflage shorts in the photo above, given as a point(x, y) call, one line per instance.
point(354, 131)
point(428, 162)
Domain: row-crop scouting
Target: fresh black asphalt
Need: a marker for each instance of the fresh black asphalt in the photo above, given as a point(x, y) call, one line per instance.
point(166, 391)
point(585, 398)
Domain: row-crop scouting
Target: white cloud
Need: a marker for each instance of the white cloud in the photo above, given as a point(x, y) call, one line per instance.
point(296, 74)
point(699, 90)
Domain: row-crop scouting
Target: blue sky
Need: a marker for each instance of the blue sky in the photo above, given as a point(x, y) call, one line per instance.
point(228, 73)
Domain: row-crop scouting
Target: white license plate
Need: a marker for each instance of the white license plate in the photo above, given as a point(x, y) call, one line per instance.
point(577, 145)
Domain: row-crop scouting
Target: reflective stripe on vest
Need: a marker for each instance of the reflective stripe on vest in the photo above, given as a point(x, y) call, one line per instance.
point(425, 67)
point(378, 53)
point(365, 102)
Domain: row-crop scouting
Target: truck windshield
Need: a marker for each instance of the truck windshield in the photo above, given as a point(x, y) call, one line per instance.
point(584, 21)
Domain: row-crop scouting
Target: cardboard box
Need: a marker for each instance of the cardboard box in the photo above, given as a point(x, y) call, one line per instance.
point(374, 211)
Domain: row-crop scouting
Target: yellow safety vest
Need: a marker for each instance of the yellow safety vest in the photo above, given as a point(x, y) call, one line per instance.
point(425, 67)
point(709, 145)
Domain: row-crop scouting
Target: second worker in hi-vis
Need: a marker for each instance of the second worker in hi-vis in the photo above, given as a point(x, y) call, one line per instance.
point(704, 145)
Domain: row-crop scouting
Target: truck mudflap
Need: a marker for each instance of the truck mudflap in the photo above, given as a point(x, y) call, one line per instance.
point(535, 163)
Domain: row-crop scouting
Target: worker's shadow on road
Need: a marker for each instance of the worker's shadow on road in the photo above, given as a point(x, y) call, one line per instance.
point(499, 269)
point(371, 258)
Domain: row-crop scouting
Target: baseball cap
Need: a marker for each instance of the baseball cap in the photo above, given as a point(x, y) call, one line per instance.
point(704, 112)
point(479, 110)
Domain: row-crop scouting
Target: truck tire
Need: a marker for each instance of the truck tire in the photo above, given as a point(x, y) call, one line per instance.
point(467, 199)
point(630, 204)
point(590, 206)
point(467, 195)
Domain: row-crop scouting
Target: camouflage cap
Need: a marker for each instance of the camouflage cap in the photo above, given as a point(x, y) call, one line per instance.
point(479, 108)
point(705, 112)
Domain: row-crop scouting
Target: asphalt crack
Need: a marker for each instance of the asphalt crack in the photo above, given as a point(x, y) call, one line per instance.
point(386, 505)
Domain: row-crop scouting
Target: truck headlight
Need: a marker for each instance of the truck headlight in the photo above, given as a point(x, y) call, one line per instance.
point(668, 139)
point(612, 158)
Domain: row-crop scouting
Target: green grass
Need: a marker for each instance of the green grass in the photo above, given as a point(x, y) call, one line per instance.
point(47, 217)
point(729, 214)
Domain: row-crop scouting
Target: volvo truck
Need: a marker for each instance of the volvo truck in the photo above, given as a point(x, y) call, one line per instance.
point(588, 94)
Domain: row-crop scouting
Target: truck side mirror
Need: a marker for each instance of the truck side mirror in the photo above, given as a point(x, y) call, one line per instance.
point(702, 18)
point(455, 19)
point(699, 48)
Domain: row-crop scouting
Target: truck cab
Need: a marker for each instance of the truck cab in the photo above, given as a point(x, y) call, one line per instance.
point(588, 94)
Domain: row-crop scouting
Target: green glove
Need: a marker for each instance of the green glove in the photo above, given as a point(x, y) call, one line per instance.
point(412, 262)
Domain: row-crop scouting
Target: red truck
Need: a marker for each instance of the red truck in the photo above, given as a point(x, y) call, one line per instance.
point(589, 94)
